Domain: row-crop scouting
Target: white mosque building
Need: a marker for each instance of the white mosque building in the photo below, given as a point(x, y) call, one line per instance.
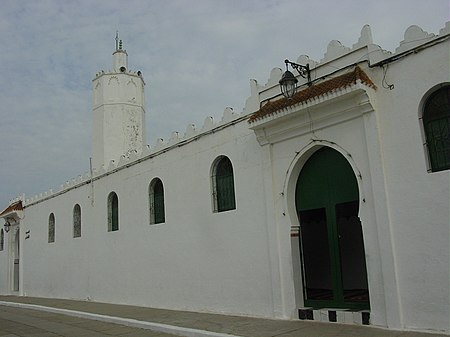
point(331, 204)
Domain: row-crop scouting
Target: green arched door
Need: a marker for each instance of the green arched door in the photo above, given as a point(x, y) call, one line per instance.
point(331, 241)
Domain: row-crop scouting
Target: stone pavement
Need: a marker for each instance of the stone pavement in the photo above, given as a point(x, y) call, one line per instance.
point(191, 324)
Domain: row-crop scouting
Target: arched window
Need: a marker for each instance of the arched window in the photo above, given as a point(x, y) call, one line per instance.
point(113, 212)
point(76, 221)
point(51, 228)
point(222, 180)
point(436, 124)
point(156, 201)
point(2, 239)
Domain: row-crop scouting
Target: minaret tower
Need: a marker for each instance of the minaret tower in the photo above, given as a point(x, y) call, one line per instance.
point(118, 108)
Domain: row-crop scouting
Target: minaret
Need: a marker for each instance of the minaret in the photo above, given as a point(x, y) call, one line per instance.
point(118, 108)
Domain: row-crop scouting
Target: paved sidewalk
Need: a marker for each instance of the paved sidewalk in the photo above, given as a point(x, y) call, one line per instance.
point(193, 324)
point(19, 322)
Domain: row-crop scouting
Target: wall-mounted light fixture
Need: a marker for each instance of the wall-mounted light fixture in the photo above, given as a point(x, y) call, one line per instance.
point(288, 82)
point(7, 226)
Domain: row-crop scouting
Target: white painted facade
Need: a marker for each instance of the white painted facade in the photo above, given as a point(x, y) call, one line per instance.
point(246, 261)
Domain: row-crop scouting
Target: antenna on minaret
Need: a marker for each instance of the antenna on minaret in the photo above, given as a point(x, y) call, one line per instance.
point(117, 40)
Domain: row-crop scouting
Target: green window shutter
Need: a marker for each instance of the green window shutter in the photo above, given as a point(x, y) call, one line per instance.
point(77, 221)
point(158, 202)
point(114, 213)
point(225, 186)
point(438, 142)
point(436, 122)
point(51, 228)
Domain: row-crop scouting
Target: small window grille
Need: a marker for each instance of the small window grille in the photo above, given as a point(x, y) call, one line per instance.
point(51, 228)
point(156, 201)
point(113, 212)
point(77, 221)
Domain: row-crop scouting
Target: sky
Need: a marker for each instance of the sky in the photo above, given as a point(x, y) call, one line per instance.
point(197, 58)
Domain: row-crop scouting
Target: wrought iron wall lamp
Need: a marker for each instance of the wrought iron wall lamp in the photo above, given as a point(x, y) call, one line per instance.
point(7, 226)
point(288, 82)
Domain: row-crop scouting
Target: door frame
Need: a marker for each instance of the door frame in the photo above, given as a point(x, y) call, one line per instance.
point(296, 167)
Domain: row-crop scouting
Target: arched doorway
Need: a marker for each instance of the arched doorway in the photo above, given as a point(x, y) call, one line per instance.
point(331, 241)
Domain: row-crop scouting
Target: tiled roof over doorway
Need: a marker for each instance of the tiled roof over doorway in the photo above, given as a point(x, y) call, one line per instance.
point(15, 206)
point(316, 90)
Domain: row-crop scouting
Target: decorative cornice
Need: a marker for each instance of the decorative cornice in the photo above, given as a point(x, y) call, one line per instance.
point(322, 112)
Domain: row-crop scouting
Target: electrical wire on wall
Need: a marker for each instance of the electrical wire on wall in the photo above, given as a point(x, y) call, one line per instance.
point(383, 81)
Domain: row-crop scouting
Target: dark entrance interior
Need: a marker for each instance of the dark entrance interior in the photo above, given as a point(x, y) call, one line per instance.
point(331, 241)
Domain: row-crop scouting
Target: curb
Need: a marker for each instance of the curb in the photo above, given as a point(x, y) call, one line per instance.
point(158, 327)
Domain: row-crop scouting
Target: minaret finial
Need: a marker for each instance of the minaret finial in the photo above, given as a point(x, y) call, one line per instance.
point(117, 40)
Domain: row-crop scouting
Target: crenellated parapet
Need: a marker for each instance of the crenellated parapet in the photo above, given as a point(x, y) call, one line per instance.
point(176, 139)
point(414, 36)
point(337, 56)
point(70, 184)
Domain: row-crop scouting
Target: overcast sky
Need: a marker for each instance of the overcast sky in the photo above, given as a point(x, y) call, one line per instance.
point(197, 57)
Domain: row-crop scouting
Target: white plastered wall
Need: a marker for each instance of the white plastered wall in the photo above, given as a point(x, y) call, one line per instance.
point(196, 260)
